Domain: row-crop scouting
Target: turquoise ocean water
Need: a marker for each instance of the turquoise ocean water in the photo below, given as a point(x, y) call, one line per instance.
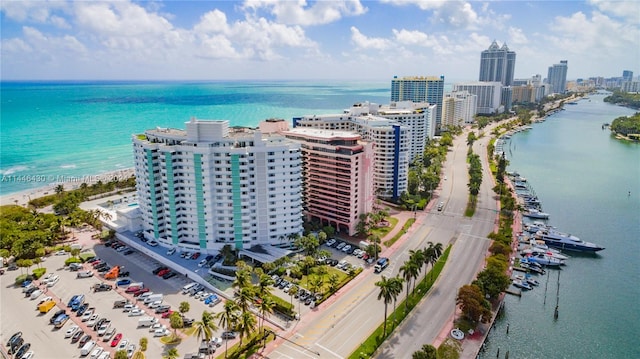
point(56, 130)
point(583, 177)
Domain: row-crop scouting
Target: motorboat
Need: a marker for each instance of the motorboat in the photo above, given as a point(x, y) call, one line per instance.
point(534, 213)
point(532, 281)
point(522, 285)
point(533, 251)
point(545, 260)
point(535, 227)
point(565, 241)
point(533, 268)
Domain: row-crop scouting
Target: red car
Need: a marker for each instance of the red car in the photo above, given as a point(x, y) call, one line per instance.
point(163, 272)
point(167, 314)
point(116, 340)
point(138, 292)
point(132, 289)
point(195, 255)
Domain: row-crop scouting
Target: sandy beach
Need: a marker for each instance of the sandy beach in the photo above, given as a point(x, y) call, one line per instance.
point(22, 198)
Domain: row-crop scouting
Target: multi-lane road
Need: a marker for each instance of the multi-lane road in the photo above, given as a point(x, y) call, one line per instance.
point(338, 329)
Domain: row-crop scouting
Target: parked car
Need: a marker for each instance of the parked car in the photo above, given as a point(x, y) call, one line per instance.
point(123, 344)
point(123, 274)
point(55, 315)
point(77, 336)
point(152, 243)
point(228, 335)
point(116, 340)
point(202, 263)
point(123, 282)
point(136, 312)
point(163, 272)
point(84, 274)
point(195, 255)
point(157, 270)
point(71, 331)
point(169, 275)
point(84, 340)
point(163, 309)
point(132, 289)
point(139, 292)
point(128, 251)
point(102, 287)
point(171, 251)
point(109, 334)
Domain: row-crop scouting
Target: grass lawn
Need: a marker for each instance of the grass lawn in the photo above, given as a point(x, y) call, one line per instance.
point(382, 231)
point(305, 280)
point(404, 230)
point(250, 346)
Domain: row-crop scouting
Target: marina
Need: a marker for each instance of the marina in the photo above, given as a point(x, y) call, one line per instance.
point(583, 182)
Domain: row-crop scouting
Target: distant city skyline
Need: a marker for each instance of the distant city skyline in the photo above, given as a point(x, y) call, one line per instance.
point(297, 40)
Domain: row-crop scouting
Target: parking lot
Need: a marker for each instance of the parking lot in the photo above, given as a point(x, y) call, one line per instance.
point(20, 314)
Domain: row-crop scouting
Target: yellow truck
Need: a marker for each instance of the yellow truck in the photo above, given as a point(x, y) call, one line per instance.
point(46, 306)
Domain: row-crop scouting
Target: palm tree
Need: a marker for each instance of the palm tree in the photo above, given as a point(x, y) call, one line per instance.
point(243, 276)
point(266, 305)
point(386, 293)
point(244, 298)
point(204, 328)
point(396, 289)
point(246, 325)
point(228, 319)
point(417, 256)
point(407, 270)
point(172, 353)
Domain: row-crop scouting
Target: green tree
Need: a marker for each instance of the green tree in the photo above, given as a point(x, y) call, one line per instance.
point(143, 344)
point(246, 325)
point(396, 289)
point(428, 351)
point(228, 319)
point(172, 353)
point(333, 282)
point(265, 306)
point(492, 281)
point(386, 294)
point(472, 303)
point(184, 307)
point(203, 329)
point(121, 354)
point(176, 322)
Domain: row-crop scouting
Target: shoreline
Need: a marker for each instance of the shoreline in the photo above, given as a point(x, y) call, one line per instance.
point(22, 198)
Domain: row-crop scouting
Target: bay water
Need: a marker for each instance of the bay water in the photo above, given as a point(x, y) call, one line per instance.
point(589, 183)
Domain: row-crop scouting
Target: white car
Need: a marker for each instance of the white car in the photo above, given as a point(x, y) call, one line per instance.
point(104, 355)
point(346, 248)
point(36, 294)
point(161, 332)
point(53, 281)
point(136, 312)
point(103, 328)
point(130, 350)
point(202, 263)
point(152, 243)
point(45, 299)
point(155, 304)
point(96, 352)
point(123, 344)
point(61, 253)
point(47, 276)
point(330, 242)
point(156, 326)
point(122, 249)
point(28, 355)
point(341, 245)
point(171, 251)
point(86, 315)
point(217, 341)
point(71, 331)
point(129, 307)
point(93, 320)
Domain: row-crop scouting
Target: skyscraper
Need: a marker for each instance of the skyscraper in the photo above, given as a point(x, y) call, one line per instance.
point(557, 77)
point(420, 89)
point(497, 64)
point(627, 75)
point(211, 185)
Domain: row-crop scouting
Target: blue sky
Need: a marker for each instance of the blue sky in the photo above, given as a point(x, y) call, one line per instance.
point(297, 39)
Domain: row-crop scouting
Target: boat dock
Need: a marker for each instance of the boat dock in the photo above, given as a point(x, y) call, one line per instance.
point(514, 291)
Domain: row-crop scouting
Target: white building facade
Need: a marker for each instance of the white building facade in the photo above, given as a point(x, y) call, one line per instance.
point(213, 185)
point(459, 108)
point(488, 95)
point(392, 144)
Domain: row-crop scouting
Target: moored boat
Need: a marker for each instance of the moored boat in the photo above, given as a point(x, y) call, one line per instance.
point(545, 260)
point(522, 285)
point(565, 241)
point(534, 213)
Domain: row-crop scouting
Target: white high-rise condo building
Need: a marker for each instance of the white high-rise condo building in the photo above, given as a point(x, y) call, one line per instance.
point(212, 185)
point(391, 138)
point(488, 94)
point(459, 108)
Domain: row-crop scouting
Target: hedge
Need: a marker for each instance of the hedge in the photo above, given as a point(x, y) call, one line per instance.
point(39, 272)
point(23, 277)
point(72, 260)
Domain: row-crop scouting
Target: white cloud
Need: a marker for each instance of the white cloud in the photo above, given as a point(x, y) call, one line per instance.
point(364, 42)
point(39, 12)
point(624, 9)
point(517, 36)
point(299, 13)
